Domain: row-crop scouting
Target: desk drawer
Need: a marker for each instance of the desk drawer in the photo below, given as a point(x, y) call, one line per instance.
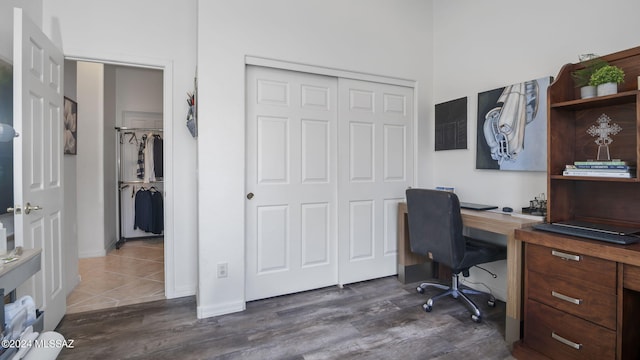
point(584, 270)
point(559, 335)
point(574, 298)
point(631, 275)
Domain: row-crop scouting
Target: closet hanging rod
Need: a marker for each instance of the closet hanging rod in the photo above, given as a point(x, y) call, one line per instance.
point(134, 182)
point(137, 129)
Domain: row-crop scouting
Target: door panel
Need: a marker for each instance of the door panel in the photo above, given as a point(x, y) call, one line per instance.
point(376, 122)
point(315, 234)
point(38, 74)
point(291, 170)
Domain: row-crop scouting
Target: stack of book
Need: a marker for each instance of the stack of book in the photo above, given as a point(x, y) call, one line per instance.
point(610, 168)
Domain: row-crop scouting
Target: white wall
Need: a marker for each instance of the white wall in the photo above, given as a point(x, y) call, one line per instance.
point(390, 38)
point(147, 32)
point(483, 45)
point(90, 160)
point(139, 89)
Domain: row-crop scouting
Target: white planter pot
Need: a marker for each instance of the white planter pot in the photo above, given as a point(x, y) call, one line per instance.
point(607, 89)
point(587, 92)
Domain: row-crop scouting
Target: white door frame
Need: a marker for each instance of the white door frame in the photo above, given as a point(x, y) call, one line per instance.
point(166, 66)
point(338, 73)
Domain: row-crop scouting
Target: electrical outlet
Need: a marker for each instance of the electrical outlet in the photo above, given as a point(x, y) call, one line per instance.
point(223, 270)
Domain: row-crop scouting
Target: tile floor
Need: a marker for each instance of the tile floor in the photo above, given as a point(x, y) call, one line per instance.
point(133, 274)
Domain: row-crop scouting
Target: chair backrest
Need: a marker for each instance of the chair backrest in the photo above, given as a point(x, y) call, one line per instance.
point(435, 225)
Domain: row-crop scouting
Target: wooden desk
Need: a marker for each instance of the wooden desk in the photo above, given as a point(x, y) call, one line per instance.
point(491, 222)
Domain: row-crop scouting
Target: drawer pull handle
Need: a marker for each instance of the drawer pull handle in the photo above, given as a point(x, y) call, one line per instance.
point(565, 341)
point(565, 256)
point(566, 298)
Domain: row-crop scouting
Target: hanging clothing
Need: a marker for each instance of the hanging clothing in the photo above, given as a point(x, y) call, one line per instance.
point(140, 168)
point(143, 210)
point(157, 155)
point(149, 172)
point(157, 213)
point(149, 211)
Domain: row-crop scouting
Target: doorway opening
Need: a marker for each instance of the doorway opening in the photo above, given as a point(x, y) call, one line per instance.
point(120, 116)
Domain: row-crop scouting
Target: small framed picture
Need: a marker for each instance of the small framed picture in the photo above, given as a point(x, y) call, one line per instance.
point(70, 126)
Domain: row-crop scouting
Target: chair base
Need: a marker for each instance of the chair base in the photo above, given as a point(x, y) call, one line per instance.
point(457, 293)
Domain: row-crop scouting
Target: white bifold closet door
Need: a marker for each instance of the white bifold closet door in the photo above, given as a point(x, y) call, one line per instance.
point(328, 160)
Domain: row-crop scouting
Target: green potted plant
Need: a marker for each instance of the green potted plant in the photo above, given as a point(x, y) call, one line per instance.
point(581, 76)
point(606, 79)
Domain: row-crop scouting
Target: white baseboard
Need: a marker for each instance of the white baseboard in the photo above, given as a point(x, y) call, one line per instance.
point(178, 294)
point(221, 309)
point(90, 254)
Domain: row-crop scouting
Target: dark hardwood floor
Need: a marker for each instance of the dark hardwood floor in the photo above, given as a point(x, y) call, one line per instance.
point(377, 319)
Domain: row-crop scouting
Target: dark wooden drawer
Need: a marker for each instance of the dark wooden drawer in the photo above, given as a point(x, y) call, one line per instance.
point(574, 298)
point(631, 275)
point(585, 270)
point(559, 335)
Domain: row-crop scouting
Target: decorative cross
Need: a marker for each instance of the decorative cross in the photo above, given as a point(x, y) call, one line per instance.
point(603, 130)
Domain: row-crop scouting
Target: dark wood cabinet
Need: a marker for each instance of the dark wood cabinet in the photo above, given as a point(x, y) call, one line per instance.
point(582, 297)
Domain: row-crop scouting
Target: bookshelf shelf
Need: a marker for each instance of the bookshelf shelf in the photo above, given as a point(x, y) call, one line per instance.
point(609, 100)
point(593, 178)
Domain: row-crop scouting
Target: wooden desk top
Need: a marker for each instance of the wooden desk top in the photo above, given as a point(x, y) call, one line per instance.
point(489, 221)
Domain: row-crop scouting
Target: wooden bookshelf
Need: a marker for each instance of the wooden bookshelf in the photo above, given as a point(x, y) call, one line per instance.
point(599, 199)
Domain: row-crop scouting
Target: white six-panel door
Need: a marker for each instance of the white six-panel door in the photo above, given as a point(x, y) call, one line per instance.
point(328, 160)
point(291, 174)
point(38, 188)
point(375, 168)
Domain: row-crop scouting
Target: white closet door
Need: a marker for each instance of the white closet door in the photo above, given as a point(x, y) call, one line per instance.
point(292, 178)
point(375, 168)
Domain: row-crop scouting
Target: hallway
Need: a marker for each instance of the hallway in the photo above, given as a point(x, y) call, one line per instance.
point(131, 275)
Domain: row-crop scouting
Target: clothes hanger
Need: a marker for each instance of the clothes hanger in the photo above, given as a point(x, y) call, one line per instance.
point(133, 137)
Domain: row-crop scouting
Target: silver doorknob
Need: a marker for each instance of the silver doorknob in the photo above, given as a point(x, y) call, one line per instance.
point(250, 196)
point(15, 210)
point(28, 208)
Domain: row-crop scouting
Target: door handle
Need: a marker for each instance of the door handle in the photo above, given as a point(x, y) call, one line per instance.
point(250, 196)
point(15, 210)
point(28, 208)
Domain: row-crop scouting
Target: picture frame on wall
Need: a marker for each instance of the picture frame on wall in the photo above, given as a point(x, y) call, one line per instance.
point(512, 127)
point(70, 126)
point(451, 125)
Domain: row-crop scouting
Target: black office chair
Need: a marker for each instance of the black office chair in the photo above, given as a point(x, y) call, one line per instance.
point(435, 230)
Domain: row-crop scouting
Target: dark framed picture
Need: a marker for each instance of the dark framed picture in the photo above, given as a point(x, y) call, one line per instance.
point(70, 126)
point(451, 125)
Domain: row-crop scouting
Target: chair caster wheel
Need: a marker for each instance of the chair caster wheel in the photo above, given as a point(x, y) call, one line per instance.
point(420, 290)
point(427, 307)
point(476, 318)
